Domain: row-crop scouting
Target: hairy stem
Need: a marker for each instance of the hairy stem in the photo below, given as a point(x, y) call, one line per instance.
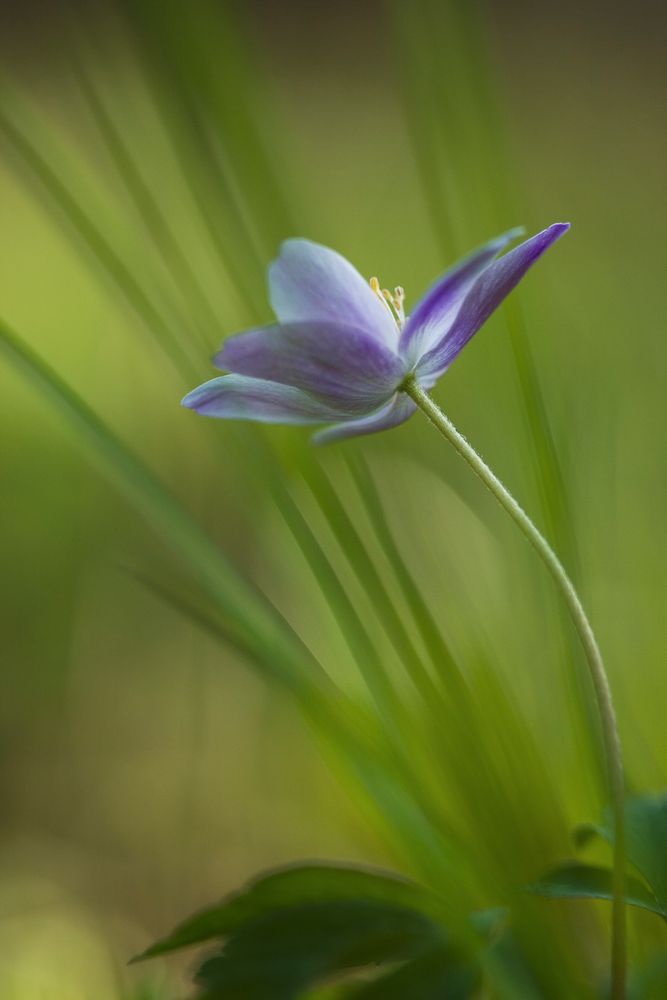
point(612, 744)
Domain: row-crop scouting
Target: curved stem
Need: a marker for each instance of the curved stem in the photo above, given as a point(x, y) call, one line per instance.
point(612, 744)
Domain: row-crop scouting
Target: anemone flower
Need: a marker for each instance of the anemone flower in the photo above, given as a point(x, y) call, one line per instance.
point(344, 352)
point(343, 348)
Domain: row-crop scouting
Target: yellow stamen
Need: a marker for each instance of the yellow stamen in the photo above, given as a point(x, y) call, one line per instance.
point(399, 298)
point(392, 301)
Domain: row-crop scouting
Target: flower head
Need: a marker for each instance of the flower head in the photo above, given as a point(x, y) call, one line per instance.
point(343, 348)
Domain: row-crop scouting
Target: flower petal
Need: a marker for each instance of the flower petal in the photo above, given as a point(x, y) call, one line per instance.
point(239, 398)
point(434, 312)
point(395, 412)
point(486, 294)
point(310, 283)
point(339, 365)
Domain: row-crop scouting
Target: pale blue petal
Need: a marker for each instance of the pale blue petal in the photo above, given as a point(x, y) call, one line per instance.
point(395, 412)
point(311, 283)
point(484, 297)
point(339, 365)
point(239, 398)
point(435, 311)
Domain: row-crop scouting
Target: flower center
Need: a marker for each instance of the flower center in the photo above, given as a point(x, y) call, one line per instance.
point(392, 301)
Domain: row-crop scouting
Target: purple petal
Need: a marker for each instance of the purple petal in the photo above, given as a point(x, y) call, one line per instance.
point(395, 412)
point(310, 283)
point(342, 366)
point(240, 398)
point(435, 311)
point(486, 294)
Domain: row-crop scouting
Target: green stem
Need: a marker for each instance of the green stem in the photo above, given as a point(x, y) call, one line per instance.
point(612, 744)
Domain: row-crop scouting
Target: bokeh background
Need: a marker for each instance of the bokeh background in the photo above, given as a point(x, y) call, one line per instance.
point(154, 154)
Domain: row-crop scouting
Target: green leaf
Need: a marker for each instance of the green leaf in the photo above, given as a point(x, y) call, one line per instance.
point(440, 974)
point(583, 834)
point(283, 951)
point(646, 839)
point(303, 885)
point(650, 982)
point(579, 881)
point(291, 929)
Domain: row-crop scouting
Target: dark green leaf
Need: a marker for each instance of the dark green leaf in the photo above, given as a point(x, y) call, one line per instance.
point(302, 885)
point(646, 839)
point(577, 881)
point(440, 974)
point(650, 982)
point(583, 834)
point(285, 950)
point(513, 968)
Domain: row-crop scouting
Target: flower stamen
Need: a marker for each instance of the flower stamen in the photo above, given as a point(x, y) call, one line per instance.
point(399, 299)
point(392, 301)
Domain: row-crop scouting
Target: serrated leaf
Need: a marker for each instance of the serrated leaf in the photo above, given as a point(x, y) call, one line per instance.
point(285, 950)
point(645, 836)
point(440, 974)
point(300, 885)
point(578, 881)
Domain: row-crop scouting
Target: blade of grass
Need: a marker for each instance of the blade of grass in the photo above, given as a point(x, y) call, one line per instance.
point(479, 783)
point(206, 55)
point(469, 132)
point(259, 623)
point(164, 240)
point(439, 652)
point(205, 176)
point(397, 764)
point(352, 739)
point(352, 545)
point(60, 196)
point(552, 492)
point(432, 853)
point(352, 628)
point(109, 258)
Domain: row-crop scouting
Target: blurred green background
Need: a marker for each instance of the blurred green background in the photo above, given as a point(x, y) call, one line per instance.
point(153, 157)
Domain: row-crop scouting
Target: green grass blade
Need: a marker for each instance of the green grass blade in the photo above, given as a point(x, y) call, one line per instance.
point(61, 197)
point(352, 737)
point(440, 654)
point(166, 244)
point(351, 625)
point(355, 550)
point(205, 56)
point(364, 758)
point(207, 177)
point(258, 622)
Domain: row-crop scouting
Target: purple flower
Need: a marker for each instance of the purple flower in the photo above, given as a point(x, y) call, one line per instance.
point(342, 348)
